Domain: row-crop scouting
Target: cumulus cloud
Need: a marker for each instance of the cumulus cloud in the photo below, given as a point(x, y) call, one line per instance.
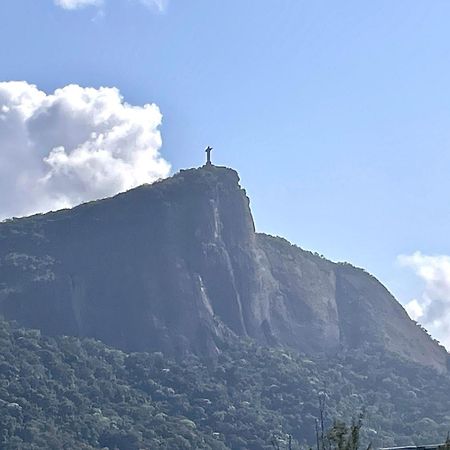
point(159, 5)
point(432, 307)
point(74, 145)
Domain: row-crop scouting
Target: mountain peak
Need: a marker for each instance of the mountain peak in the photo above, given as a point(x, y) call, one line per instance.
point(177, 266)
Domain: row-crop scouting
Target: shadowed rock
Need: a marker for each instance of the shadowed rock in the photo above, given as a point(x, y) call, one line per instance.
point(177, 266)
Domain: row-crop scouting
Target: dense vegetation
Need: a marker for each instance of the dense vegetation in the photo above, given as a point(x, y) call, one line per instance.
point(67, 393)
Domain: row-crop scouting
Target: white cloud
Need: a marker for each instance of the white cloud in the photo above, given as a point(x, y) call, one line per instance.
point(77, 4)
point(159, 5)
point(74, 145)
point(432, 308)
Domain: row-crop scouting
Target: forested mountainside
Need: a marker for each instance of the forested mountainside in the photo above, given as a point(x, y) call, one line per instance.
point(177, 267)
point(66, 392)
point(160, 319)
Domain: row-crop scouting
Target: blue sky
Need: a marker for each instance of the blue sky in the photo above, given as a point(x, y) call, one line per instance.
point(335, 114)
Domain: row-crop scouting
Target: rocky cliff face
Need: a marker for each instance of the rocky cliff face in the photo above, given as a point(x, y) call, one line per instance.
point(177, 266)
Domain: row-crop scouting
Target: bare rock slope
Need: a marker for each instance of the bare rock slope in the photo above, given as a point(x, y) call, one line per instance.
point(177, 266)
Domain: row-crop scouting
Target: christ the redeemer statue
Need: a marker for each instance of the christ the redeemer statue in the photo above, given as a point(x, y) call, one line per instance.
point(208, 155)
